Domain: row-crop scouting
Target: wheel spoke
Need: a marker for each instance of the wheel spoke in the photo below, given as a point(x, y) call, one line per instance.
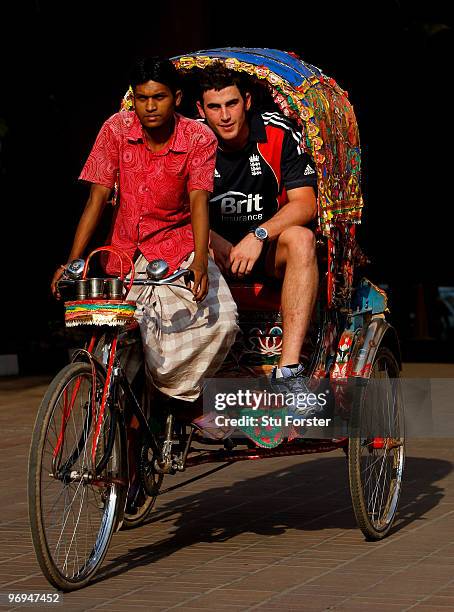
point(376, 458)
point(76, 521)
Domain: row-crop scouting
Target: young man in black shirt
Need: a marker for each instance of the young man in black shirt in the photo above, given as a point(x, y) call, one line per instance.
point(264, 197)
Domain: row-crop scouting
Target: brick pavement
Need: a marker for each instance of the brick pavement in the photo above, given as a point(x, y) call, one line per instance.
point(267, 535)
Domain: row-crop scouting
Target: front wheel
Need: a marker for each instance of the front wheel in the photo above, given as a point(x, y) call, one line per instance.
point(73, 499)
point(376, 450)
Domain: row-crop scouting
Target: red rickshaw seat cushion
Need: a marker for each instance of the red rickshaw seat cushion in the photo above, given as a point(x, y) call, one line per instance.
point(256, 296)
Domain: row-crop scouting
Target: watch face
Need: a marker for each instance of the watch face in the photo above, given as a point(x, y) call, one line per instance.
point(261, 233)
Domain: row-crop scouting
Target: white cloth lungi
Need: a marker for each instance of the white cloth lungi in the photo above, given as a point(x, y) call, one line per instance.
point(185, 341)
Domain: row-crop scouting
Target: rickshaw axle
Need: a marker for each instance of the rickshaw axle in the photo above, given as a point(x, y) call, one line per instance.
point(385, 443)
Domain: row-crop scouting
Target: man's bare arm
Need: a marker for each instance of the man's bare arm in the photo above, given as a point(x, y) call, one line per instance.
point(220, 249)
point(88, 223)
point(300, 209)
point(198, 200)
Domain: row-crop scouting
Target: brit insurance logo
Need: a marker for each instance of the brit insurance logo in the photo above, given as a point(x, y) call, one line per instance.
point(238, 206)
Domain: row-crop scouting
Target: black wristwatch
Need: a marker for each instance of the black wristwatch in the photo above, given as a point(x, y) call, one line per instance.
point(260, 233)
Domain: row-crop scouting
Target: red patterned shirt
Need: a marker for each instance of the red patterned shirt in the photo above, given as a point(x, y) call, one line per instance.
point(153, 214)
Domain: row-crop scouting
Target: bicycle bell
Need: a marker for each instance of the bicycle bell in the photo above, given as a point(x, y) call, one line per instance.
point(75, 268)
point(157, 269)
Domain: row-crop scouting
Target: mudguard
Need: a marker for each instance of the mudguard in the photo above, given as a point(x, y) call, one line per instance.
point(378, 333)
point(366, 330)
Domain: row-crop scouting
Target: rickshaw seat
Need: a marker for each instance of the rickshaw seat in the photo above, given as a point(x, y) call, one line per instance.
point(256, 296)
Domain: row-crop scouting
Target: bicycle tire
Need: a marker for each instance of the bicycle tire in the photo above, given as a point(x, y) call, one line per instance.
point(62, 494)
point(374, 469)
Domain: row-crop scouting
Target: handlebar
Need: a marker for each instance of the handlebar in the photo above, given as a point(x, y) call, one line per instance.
point(165, 281)
point(168, 281)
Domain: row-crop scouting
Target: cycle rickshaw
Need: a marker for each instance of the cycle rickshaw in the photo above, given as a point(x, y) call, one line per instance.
point(91, 473)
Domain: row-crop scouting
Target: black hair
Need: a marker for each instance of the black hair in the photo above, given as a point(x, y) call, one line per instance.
point(155, 69)
point(217, 76)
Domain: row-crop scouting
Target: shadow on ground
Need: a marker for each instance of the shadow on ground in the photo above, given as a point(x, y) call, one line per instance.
point(311, 496)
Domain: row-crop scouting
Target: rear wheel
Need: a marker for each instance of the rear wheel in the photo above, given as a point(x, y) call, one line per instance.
point(376, 449)
point(73, 505)
point(144, 482)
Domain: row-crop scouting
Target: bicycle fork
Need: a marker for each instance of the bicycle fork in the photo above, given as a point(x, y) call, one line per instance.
point(94, 418)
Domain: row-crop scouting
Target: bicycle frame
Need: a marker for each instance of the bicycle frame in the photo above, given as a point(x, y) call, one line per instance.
point(115, 379)
point(114, 375)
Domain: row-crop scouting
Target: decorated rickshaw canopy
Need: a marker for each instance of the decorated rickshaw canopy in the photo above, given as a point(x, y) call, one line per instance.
point(323, 111)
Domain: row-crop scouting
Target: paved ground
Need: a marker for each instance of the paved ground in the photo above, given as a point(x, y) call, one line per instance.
point(267, 535)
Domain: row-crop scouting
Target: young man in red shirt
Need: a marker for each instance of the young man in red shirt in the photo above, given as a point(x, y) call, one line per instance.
point(164, 165)
point(264, 198)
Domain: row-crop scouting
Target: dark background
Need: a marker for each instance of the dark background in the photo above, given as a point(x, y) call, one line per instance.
point(64, 71)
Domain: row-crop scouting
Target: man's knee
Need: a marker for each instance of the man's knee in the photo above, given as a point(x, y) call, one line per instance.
point(298, 242)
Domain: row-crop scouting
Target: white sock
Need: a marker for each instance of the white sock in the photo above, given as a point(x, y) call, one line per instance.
point(280, 374)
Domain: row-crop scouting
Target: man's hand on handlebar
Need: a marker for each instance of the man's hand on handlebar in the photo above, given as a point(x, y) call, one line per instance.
point(54, 283)
point(196, 273)
point(200, 282)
